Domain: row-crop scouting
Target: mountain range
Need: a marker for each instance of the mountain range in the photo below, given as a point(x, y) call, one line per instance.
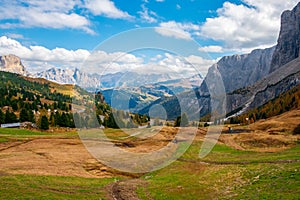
point(249, 80)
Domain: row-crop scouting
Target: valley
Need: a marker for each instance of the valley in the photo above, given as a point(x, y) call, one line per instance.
point(151, 126)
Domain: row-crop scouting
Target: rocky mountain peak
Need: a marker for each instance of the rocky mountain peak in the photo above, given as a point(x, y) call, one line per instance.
point(238, 71)
point(12, 63)
point(288, 45)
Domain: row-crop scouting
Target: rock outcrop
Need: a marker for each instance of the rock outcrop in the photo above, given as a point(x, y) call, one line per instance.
point(288, 45)
point(13, 64)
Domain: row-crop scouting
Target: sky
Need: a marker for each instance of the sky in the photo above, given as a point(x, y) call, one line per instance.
point(148, 35)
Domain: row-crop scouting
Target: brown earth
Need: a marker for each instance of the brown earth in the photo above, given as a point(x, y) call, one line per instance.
point(51, 156)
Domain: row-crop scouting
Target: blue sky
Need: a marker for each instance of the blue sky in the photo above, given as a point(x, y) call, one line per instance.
point(47, 33)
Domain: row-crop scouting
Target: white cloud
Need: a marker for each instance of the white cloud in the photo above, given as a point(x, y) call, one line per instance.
point(177, 30)
point(56, 14)
point(38, 58)
point(41, 13)
point(148, 16)
point(179, 66)
point(178, 7)
point(247, 26)
point(211, 49)
point(160, 0)
point(200, 63)
point(106, 8)
point(14, 35)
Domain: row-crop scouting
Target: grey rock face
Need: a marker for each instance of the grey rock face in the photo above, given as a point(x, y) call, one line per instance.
point(57, 75)
point(239, 71)
point(69, 76)
point(288, 45)
point(12, 63)
point(266, 89)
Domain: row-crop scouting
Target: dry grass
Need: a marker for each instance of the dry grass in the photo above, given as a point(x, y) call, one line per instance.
point(51, 156)
point(271, 135)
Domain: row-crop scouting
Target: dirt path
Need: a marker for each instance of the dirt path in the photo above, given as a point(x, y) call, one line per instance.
point(126, 189)
point(13, 144)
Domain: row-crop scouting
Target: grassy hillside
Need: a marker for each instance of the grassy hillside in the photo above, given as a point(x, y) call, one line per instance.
point(25, 99)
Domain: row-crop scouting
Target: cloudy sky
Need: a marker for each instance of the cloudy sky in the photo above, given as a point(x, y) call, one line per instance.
point(64, 33)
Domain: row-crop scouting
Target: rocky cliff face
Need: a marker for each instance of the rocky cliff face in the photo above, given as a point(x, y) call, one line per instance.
point(57, 75)
point(12, 63)
point(239, 71)
point(279, 81)
point(288, 45)
point(69, 76)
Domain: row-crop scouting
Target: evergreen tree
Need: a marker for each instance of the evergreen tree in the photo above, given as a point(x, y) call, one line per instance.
point(2, 117)
point(31, 117)
point(52, 119)
point(10, 117)
point(177, 121)
point(57, 117)
point(184, 120)
point(64, 120)
point(24, 115)
point(14, 105)
point(44, 123)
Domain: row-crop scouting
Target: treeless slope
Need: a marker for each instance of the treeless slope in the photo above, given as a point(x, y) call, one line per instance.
point(269, 135)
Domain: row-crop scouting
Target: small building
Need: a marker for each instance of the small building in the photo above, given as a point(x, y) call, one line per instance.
point(11, 125)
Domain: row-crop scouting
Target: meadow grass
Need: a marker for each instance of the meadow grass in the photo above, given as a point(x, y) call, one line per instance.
point(52, 187)
point(186, 178)
point(191, 179)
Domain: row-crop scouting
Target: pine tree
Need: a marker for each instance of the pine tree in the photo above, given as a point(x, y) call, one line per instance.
point(24, 115)
point(8, 117)
point(184, 120)
point(177, 121)
point(31, 117)
point(2, 117)
point(44, 123)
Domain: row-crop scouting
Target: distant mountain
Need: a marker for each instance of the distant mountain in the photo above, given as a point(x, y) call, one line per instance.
point(69, 76)
point(96, 81)
point(131, 79)
point(13, 64)
point(136, 98)
point(58, 75)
